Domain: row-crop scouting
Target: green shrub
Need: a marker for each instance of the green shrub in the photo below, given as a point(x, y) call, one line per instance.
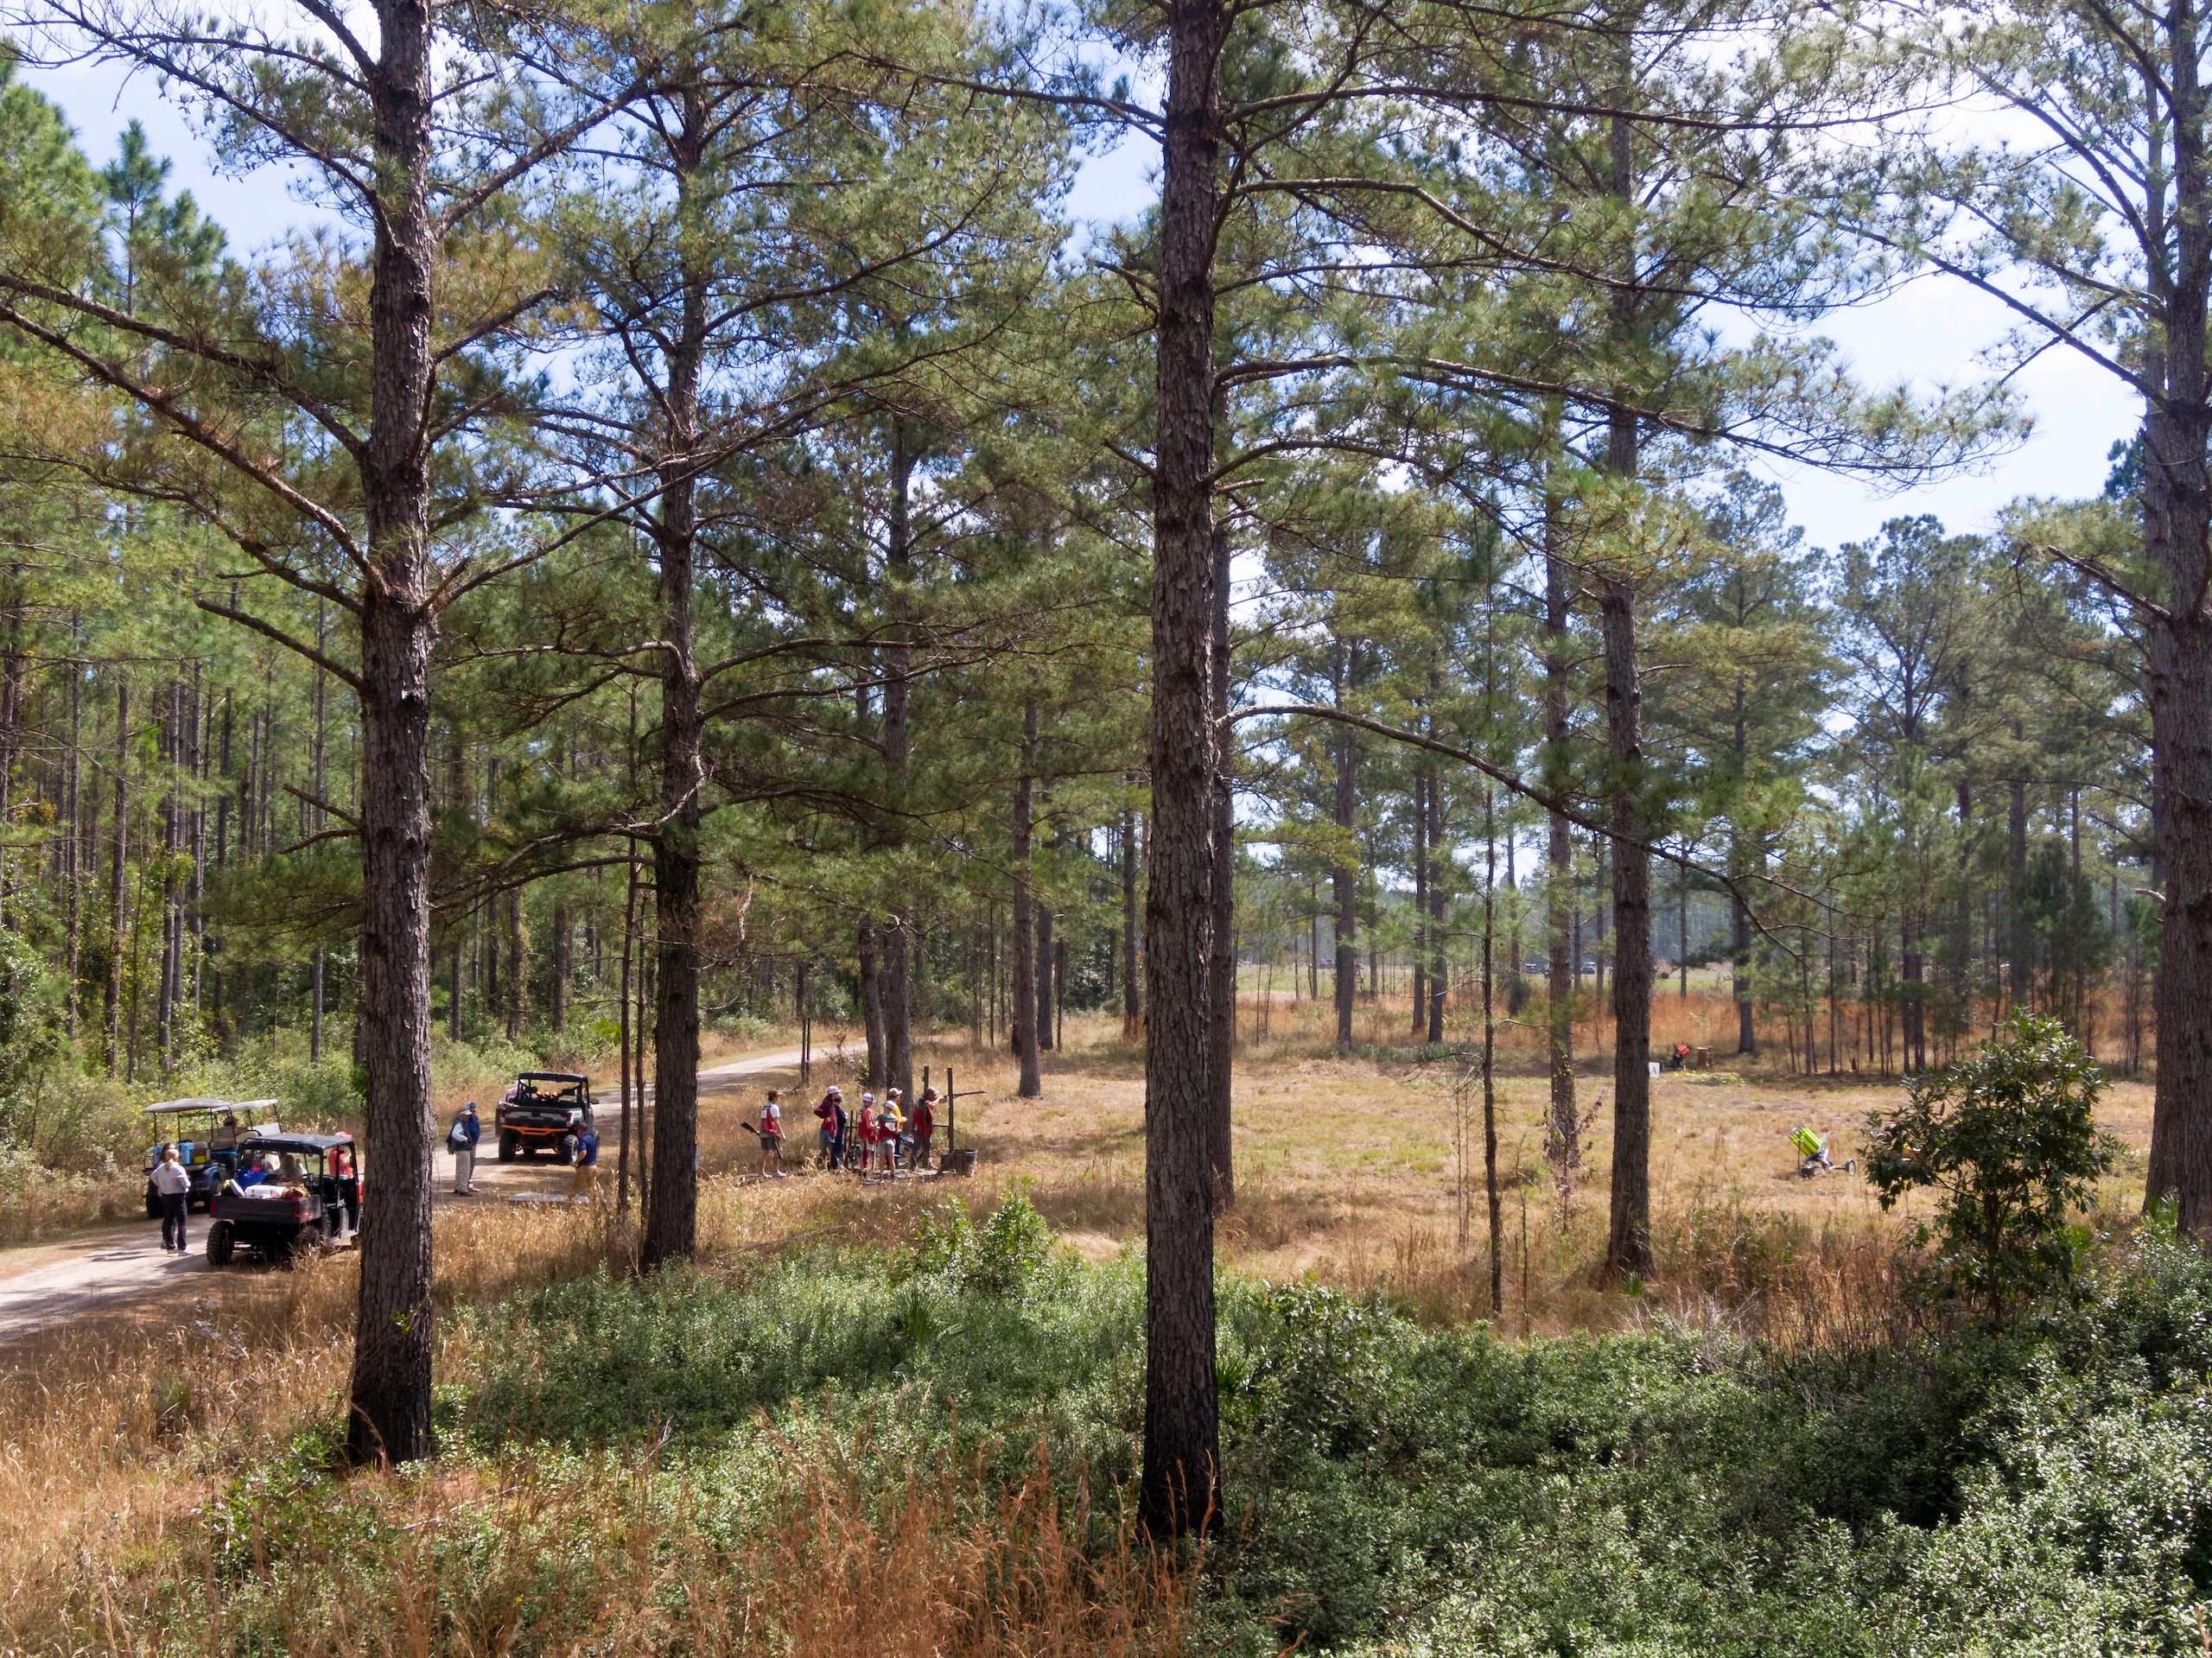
point(2009, 1138)
point(1012, 1250)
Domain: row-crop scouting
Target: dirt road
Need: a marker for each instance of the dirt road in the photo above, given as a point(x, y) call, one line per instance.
point(107, 1270)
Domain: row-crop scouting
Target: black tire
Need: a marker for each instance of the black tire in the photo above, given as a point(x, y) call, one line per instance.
point(153, 1202)
point(566, 1154)
point(219, 1244)
point(506, 1146)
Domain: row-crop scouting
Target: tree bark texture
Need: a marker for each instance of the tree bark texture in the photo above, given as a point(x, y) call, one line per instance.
point(1046, 1033)
point(1562, 1135)
point(1343, 876)
point(1628, 1246)
point(1739, 949)
point(1439, 979)
point(1132, 1004)
point(118, 906)
point(1221, 971)
point(389, 1416)
point(1182, 1429)
point(2177, 522)
point(563, 965)
point(1421, 902)
point(1022, 993)
point(672, 1206)
point(897, 933)
point(870, 970)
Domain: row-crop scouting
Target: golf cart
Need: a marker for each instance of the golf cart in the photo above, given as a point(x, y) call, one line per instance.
point(544, 1109)
point(300, 1205)
point(206, 1143)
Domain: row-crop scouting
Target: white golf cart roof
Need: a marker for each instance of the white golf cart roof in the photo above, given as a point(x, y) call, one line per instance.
point(180, 1107)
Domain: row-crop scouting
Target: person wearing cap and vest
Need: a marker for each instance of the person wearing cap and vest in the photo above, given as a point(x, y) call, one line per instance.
point(831, 1115)
point(461, 1140)
point(922, 1124)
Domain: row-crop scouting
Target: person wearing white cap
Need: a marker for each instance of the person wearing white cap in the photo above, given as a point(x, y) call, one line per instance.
point(830, 1114)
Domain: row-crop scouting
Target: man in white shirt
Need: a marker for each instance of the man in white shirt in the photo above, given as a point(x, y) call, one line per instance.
point(173, 1185)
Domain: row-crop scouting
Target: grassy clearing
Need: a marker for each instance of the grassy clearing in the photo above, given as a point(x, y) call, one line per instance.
point(831, 1437)
point(829, 1446)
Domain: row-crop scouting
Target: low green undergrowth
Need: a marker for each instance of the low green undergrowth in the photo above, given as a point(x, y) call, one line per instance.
point(1394, 1485)
point(1393, 1488)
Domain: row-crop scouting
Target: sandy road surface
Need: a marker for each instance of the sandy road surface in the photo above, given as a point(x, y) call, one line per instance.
point(107, 1270)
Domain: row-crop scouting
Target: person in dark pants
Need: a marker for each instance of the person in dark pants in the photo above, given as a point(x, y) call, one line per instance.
point(349, 1185)
point(830, 1114)
point(922, 1124)
point(172, 1184)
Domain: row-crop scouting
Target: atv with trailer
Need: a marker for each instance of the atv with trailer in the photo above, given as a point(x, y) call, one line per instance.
point(545, 1110)
point(300, 1205)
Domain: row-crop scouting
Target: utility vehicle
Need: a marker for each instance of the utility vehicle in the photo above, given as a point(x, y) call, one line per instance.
point(300, 1205)
point(544, 1111)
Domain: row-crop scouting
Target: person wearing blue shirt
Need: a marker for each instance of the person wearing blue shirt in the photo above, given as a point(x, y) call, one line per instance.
point(461, 1140)
point(585, 1182)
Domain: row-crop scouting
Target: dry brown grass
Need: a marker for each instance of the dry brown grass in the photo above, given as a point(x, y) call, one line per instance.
point(1346, 1174)
point(837, 1561)
point(115, 1433)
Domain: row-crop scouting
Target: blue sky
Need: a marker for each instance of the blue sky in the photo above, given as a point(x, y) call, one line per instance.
point(1926, 334)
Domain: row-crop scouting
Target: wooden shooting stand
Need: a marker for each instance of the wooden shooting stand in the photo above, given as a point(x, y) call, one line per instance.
point(954, 1161)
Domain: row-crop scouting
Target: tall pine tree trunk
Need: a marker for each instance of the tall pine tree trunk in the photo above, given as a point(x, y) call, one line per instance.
point(671, 1203)
point(1421, 902)
point(1563, 1133)
point(1180, 1484)
point(390, 1415)
point(1022, 993)
point(871, 983)
point(1132, 1006)
point(1440, 982)
point(1222, 969)
point(516, 988)
point(118, 873)
point(1343, 875)
point(73, 893)
point(1628, 1246)
point(2178, 537)
point(897, 932)
point(1044, 966)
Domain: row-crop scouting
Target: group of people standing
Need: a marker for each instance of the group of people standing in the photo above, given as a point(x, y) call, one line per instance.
point(882, 1137)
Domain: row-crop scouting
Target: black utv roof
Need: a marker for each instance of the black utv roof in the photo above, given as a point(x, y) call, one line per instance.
point(294, 1142)
point(549, 1076)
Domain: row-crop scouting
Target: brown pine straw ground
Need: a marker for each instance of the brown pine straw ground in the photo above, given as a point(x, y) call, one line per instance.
point(114, 1434)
